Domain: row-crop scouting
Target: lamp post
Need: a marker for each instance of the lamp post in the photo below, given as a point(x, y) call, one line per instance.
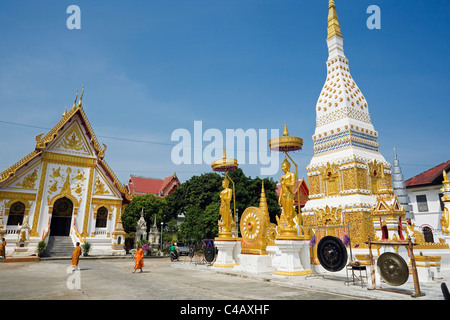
point(237, 222)
point(161, 236)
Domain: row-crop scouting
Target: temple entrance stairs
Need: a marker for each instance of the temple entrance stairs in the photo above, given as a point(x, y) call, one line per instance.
point(59, 246)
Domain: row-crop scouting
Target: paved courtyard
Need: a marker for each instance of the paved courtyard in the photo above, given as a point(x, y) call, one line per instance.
point(113, 279)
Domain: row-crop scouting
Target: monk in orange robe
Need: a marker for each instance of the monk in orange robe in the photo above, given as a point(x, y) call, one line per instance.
point(3, 248)
point(139, 259)
point(76, 256)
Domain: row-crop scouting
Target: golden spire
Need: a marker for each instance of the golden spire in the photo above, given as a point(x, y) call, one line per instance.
point(333, 23)
point(285, 130)
point(263, 202)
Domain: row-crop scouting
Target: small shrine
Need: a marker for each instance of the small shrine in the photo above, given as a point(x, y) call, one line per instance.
point(388, 215)
point(141, 228)
point(23, 240)
point(118, 238)
point(154, 234)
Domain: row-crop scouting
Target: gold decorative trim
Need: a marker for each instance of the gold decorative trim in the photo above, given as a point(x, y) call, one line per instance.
point(99, 205)
point(15, 195)
point(292, 273)
point(62, 195)
point(11, 171)
point(37, 208)
point(88, 204)
point(105, 202)
point(68, 159)
point(223, 265)
point(116, 182)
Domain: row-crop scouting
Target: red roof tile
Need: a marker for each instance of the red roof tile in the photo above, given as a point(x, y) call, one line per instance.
point(160, 187)
point(431, 176)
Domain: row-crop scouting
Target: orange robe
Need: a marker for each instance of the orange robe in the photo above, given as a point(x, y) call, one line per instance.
point(3, 249)
point(139, 259)
point(76, 255)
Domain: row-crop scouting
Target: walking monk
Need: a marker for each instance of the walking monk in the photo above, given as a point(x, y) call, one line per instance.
point(3, 248)
point(76, 256)
point(139, 259)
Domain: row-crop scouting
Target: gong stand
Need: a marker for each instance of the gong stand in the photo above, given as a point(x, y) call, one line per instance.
point(314, 272)
point(409, 246)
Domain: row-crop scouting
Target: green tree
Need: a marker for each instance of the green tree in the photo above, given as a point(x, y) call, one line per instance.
point(248, 193)
point(199, 199)
point(152, 206)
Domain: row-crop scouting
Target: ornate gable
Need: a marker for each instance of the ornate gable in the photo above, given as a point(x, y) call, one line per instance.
point(72, 140)
point(70, 145)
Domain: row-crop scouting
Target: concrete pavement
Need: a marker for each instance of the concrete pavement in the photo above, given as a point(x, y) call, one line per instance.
point(107, 278)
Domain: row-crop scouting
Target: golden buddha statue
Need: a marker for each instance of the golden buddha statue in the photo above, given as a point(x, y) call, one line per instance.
point(286, 197)
point(225, 210)
point(286, 223)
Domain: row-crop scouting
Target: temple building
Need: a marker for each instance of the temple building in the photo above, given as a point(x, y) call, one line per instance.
point(345, 172)
point(425, 193)
point(64, 189)
point(139, 186)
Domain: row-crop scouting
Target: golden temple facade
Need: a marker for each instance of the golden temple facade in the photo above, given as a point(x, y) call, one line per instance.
point(64, 187)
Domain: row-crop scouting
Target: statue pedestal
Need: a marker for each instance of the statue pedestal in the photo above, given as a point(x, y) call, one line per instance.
point(225, 258)
point(253, 263)
point(21, 249)
point(118, 250)
point(292, 253)
point(274, 255)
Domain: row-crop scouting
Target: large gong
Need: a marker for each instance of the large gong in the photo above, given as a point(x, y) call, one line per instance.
point(332, 253)
point(393, 268)
point(209, 251)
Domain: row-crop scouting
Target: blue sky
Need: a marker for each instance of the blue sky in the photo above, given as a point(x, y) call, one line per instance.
point(151, 67)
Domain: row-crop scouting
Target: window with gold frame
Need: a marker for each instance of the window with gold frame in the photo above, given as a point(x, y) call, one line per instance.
point(16, 213)
point(102, 217)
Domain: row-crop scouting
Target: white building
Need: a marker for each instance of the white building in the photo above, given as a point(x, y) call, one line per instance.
point(64, 190)
point(424, 191)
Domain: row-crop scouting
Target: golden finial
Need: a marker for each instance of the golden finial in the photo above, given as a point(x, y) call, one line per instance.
point(445, 176)
point(333, 23)
point(65, 112)
point(285, 143)
point(285, 130)
point(75, 101)
point(81, 97)
point(224, 164)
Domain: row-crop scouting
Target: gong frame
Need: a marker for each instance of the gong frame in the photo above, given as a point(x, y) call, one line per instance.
point(409, 246)
point(314, 272)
